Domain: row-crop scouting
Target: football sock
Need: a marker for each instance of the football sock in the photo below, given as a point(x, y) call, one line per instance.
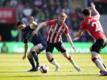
point(53, 61)
point(99, 57)
point(102, 61)
point(35, 56)
point(73, 63)
point(99, 64)
point(31, 61)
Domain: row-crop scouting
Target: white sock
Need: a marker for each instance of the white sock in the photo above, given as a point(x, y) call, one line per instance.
point(73, 63)
point(99, 57)
point(102, 61)
point(54, 62)
point(100, 65)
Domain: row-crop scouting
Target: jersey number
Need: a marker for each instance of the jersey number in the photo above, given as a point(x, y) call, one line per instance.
point(96, 25)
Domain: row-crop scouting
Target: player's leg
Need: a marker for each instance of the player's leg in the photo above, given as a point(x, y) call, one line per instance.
point(34, 52)
point(95, 50)
point(31, 61)
point(50, 57)
point(60, 48)
point(99, 57)
point(71, 60)
point(99, 64)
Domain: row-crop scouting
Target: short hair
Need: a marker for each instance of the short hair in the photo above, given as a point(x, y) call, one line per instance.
point(63, 14)
point(31, 17)
point(86, 12)
point(19, 23)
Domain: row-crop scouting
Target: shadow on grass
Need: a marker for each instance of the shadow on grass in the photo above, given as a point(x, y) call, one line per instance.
point(60, 75)
point(36, 74)
point(11, 71)
point(49, 75)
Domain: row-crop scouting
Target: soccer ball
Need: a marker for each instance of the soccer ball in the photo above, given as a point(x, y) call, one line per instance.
point(44, 68)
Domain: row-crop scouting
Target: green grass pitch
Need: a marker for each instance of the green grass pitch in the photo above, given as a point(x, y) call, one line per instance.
point(12, 67)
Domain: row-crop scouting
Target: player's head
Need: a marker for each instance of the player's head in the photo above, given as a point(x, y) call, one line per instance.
point(33, 23)
point(20, 25)
point(30, 18)
point(62, 17)
point(86, 12)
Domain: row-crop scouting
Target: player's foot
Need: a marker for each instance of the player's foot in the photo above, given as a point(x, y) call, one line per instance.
point(57, 68)
point(103, 73)
point(33, 70)
point(77, 68)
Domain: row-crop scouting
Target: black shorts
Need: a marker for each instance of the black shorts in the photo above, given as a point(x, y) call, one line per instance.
point(98, 45)
point(58, 46)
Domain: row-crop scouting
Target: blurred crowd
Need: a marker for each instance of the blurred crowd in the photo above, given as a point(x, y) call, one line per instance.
point(45, 10)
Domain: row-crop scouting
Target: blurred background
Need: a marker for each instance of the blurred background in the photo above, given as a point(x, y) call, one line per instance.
point(12, 11)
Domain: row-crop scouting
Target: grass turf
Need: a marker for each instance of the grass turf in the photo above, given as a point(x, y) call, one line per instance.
point(12, 67)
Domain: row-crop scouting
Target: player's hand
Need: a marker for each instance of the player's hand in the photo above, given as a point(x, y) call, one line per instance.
point(92, 5)
point(34, 33)
point(75, 38)
point(73, 47)
point(24, 57)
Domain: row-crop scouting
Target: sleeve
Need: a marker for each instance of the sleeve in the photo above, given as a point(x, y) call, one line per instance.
point(50, 22)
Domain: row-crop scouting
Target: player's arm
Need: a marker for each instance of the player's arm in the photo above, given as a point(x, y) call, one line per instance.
point(70, 41)
point(43, 24)
point(79, 33)
point(40, 25)
point(77, 36)
point(25, 46)
point(25, 50)
point(94, 11)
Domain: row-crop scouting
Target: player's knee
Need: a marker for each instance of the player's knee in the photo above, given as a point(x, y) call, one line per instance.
point(48, 54)
point(35, 49)
point(50, 60)
point(94, 54)
point(69, 58)
point(32, 52)
point(94, 59)
point(66, 55)
point(29, 55)
point(63, 51)
point(49, 57)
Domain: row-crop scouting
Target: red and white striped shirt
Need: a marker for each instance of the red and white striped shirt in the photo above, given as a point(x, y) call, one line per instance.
point(94, 27)
point(56, 31)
